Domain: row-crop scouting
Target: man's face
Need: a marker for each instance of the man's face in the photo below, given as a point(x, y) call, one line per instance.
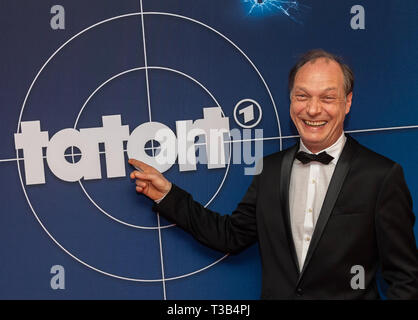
point(319, 104)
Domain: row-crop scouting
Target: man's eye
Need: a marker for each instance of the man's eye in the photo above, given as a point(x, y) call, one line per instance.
point(328, 99)
point(301, 97)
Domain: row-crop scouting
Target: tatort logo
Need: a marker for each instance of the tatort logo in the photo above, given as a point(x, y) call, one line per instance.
point(214, 127)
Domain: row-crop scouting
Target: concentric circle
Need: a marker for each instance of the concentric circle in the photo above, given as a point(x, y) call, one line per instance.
point(36, 78)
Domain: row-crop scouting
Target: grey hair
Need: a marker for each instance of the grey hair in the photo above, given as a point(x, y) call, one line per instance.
point(314, 54)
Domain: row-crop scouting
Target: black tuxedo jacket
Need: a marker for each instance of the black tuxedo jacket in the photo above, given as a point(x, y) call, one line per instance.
point(366, 219)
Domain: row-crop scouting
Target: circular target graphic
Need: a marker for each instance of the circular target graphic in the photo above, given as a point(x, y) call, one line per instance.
point(136, 91)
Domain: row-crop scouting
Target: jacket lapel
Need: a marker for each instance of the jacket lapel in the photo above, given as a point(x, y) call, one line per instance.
point(334, 188)
point(285, 172)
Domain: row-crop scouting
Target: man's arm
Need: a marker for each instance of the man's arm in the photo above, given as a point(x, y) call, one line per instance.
point(395, 237)
point(226, 233)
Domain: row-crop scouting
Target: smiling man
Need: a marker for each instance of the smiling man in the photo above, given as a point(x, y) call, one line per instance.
point(327, 213)
point(320, 99)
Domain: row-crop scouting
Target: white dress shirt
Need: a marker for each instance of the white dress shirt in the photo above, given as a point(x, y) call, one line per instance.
point(308, 186)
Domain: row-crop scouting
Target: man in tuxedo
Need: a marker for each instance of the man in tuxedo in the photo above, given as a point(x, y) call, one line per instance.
point(321, 210)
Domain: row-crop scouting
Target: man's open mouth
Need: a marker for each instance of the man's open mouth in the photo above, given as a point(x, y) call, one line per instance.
point(315, 123)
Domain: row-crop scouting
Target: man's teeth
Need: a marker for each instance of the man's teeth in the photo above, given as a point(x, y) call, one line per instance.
point(315, 123)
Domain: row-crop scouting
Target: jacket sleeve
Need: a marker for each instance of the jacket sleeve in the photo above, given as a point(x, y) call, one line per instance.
point(395, 237)
point(226, 233)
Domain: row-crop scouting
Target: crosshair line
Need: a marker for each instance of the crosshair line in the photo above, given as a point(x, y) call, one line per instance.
point(145, 60)
point(346, 131)
point(161, 255)
point(152, 141)
point(246, 140)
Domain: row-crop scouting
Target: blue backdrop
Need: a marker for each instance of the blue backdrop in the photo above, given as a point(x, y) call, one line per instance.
point(198, 53)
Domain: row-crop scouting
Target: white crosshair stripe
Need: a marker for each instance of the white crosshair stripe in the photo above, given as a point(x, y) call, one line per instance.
point(145, 62)
point(249, 140)
point(152, 143)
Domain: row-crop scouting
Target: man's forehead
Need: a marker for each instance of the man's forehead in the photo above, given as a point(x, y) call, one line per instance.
point(328, 89)
point(321, 72)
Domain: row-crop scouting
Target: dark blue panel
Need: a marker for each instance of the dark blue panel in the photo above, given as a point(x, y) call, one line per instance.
point(199, 54)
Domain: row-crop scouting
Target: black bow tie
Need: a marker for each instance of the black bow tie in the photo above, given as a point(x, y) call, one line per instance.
point(305, 157)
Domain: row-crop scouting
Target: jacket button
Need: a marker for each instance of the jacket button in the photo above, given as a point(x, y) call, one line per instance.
point(299, 291)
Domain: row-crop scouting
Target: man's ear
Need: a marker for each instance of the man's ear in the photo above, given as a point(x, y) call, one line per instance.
point(348, 99)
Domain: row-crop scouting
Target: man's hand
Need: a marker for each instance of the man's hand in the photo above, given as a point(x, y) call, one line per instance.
point(149, 180)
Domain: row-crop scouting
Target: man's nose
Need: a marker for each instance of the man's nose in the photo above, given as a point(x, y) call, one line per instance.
point(313, 107)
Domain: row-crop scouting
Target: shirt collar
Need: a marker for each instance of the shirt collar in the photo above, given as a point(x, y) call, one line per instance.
point(334, 150)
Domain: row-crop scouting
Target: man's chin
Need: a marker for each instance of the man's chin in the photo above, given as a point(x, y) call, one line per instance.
point(314, 144)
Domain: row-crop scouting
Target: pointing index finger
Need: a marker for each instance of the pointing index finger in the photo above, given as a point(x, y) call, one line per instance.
point(136, 163)
point(139, 165)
